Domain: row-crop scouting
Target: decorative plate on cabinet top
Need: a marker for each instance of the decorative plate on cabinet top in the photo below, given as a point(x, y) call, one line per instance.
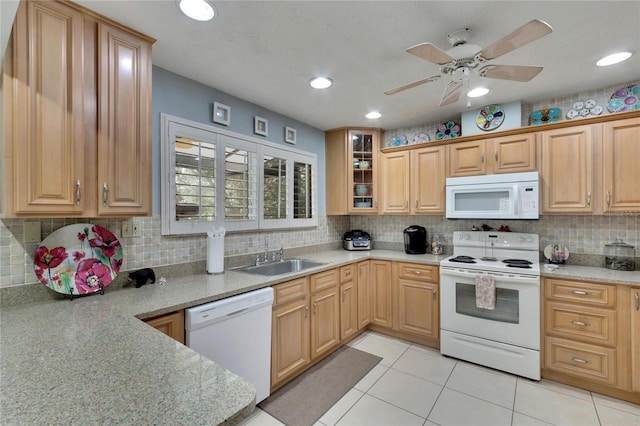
point(448, 130)
point(490, 117)
point(625, 99)
point(545, 115)
point(397, 141)
point(588, 108)
point(420, 137)
point(78, 259)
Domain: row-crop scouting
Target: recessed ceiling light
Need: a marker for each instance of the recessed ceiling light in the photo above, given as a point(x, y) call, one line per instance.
point(321, 82)
point(199, 10)
point(614, 59)
point(477, 92)
point(373, 115)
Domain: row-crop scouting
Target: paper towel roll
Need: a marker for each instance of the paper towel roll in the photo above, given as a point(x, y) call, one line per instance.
point(215, 253)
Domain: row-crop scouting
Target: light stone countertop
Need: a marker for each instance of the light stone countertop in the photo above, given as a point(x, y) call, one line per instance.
point(92, 361)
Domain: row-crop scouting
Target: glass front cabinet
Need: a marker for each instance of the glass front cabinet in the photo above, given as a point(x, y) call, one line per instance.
point(352, 159)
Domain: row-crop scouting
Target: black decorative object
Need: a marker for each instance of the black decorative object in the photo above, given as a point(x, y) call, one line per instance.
point(142, 276)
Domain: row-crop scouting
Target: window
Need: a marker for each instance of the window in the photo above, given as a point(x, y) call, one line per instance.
point(213, 177)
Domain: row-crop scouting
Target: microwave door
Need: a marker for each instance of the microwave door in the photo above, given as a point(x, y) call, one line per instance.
point(487, 201)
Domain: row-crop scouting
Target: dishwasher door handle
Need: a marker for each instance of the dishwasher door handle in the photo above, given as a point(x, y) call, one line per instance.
point(239, 311)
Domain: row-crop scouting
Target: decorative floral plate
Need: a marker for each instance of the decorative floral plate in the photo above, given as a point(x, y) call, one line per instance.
point(421, 137)
point(448, 130)
point(625, 99)
point(397, 140)
point(78, 259)
point(546, 115)
point(489, 117)
point(587, 108)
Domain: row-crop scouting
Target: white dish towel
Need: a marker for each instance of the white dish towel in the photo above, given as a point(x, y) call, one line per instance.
point(485, 291)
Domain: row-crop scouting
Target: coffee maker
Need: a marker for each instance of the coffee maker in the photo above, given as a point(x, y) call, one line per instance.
point(415, 240)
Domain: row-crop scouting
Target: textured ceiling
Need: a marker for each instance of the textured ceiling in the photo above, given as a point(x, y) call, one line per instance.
point(266, 51)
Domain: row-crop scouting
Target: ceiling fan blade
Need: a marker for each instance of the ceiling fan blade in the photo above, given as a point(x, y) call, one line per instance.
point(509, 72)
point(451, 93)
point(412, 85)
point(525, 34)
point(431, 53)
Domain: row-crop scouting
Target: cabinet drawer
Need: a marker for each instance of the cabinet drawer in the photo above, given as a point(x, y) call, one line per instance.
point(591, 325)
point(324, 280)
point(291, 290)
point(581, 360)
point(418, 272)
point(580, 292)
point(347, 273)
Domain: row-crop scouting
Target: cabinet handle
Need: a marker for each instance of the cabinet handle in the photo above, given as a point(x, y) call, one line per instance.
point(306, 311)
point(344, 295)
point(580, 323)
point(608, 199)
point(105, 194)
point(495, 154)
point(406, 204)
point(580, 292)
point(435, 294)
point(416, 203)
point(589, 199)
point(578, 360)
point(637, 297)
point(78, 192)
point(482, 157)
point(315, 308)
point(375, 204)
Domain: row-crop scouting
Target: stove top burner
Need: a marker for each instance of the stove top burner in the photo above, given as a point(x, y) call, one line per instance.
point(463, 259)
point(518, 261)
point(518, 265)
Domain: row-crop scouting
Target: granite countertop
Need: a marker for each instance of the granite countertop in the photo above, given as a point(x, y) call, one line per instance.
point(91, 360)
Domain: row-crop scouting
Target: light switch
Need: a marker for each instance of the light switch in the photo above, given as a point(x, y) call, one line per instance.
point(32, 232)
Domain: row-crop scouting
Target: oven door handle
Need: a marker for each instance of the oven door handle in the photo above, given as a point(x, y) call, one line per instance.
point(511, 279)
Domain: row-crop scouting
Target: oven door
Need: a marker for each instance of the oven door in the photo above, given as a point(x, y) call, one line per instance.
point(515, 319)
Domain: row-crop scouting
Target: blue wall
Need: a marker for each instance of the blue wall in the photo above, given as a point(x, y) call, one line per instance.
point(182, 97)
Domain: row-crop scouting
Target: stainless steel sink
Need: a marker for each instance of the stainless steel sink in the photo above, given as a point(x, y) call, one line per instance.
point(279, 268)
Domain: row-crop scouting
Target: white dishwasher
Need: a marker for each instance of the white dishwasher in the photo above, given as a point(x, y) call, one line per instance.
point(236, 333)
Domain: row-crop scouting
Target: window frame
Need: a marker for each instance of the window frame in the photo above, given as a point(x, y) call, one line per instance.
point(172, 126)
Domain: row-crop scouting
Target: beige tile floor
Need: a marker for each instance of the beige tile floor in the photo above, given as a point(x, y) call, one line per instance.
point(415, 385)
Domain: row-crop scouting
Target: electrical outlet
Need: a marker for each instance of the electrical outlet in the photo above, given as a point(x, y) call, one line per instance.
point(130, 228)
point(32, 232)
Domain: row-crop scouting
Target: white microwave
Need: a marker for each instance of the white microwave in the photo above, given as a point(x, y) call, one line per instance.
point(499, 196)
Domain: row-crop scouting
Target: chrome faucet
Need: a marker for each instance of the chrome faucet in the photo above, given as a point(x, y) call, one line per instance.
point(266, 249)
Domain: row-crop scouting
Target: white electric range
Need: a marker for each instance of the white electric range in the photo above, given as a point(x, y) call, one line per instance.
point(507, 337)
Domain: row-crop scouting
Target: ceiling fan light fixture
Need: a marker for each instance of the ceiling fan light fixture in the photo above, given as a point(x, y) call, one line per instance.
point(320, 82)
point(373, 115)
point(477, 92)
point(613, 59)
point(198, 10)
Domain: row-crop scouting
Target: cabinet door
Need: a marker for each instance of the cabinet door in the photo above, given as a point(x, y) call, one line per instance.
point(467, 158)
point(382, 302)
point(635, 339)
point(170, 324)
point(418, 311)
point(428, 170)
point(363, 160)
point(348, 310)
point(124, 123)
point(567, 170)
point(48, 111)
point(364, 294)
point(395, 182)
point(512, 154)
point(289, 340)
point(325, 321)
point(621, 174)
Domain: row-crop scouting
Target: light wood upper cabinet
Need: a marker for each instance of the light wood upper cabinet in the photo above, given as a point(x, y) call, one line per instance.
point(507, 154)
point(621, 166)
point(78, 115)
point(413, 181)
point(352, 158)
point(124, 120)
point(567, 169)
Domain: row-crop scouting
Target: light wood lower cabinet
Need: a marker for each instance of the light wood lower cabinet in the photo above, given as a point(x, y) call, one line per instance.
point(170, 324)
point(417, 309)
point(325, 312)
point(381, 293)
point(589, 337)
point(364, 294)
point(348, 301)
point(635, 338)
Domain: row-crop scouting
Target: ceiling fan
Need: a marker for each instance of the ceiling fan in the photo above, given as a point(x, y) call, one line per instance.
point(464, 58)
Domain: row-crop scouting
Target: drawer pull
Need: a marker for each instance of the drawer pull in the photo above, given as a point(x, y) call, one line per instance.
point(417, 272)
point(580, 323)
point(579, 361)
point(580, 292)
